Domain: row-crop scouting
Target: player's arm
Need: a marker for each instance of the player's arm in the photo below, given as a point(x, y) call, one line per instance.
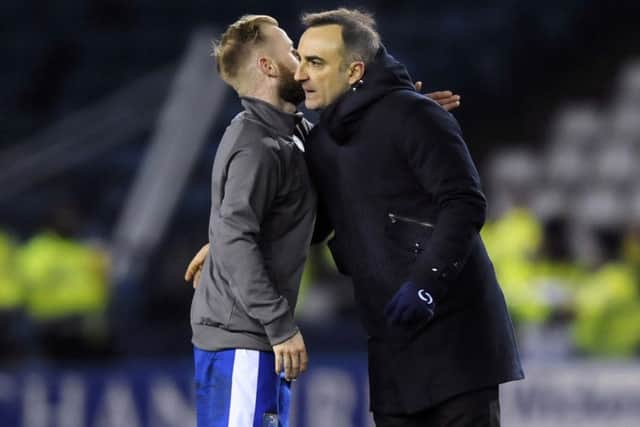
point(286, 351)
point(249, 190)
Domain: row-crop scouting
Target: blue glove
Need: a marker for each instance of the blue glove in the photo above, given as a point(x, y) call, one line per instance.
point(410, 306)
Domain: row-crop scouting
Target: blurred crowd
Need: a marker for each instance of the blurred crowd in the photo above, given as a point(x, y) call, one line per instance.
point(54, 295)
point(565, 240)
point(599, 301)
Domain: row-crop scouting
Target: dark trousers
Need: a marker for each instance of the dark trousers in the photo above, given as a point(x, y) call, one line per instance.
point(479, 408)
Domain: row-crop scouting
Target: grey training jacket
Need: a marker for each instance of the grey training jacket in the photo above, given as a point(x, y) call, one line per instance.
point(262, 215)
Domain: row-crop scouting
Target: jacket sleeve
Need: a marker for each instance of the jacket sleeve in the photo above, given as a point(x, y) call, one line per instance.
point(249, 189)
point(441, 162)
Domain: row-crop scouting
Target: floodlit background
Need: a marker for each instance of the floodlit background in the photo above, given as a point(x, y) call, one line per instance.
point(110, 116)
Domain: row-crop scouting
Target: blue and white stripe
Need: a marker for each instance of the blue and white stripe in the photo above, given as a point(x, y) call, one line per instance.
point(235, 388)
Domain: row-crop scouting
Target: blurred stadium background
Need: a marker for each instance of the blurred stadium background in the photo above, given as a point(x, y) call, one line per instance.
point(110, 117)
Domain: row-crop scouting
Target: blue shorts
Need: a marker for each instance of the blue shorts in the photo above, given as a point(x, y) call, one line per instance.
point(239, 388)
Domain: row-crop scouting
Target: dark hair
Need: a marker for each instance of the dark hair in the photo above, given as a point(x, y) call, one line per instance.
point(361, 40)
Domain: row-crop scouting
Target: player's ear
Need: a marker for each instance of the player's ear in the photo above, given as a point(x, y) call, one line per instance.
point(267, 66)
point(356, 72)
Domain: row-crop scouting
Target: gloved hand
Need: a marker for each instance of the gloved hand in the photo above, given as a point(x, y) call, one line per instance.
point(410, 305)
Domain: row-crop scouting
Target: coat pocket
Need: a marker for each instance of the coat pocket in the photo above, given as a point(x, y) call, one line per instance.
point(408, 235)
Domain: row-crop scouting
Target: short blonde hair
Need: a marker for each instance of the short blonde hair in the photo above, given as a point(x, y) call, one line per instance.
point(235, 44)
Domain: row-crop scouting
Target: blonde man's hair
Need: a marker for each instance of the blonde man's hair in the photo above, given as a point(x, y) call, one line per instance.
point(235, 45)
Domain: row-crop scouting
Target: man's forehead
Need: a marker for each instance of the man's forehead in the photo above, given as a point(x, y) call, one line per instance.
point(325, 38)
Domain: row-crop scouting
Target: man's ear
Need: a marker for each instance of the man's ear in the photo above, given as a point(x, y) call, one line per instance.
point(267, 67)
point(356, 72)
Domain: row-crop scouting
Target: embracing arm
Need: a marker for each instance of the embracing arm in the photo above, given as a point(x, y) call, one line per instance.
point(445, 98)
point(194, 269)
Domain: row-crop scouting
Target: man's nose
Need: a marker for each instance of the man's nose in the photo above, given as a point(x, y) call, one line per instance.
point(300, 74)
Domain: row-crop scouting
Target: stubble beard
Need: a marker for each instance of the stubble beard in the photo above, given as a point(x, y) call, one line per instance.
point(289, 90)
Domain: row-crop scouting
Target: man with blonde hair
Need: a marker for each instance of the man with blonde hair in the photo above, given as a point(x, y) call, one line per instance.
point(262, 215)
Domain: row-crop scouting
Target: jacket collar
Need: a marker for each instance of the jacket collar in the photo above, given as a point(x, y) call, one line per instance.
point(280, 122)
point(382, 76)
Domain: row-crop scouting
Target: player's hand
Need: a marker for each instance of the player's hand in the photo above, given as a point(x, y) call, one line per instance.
point(196, 278)
point(291, 357)
point(447, 99)
point(410, 306)
point(195, 266)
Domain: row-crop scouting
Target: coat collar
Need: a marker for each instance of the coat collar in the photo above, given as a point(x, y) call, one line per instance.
point(382, 76)
point(280, 122)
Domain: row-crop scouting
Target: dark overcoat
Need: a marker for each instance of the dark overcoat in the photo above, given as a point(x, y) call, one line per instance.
point(403, 195)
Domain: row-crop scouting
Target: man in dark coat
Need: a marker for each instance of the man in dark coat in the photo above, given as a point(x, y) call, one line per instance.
point(403, 196)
